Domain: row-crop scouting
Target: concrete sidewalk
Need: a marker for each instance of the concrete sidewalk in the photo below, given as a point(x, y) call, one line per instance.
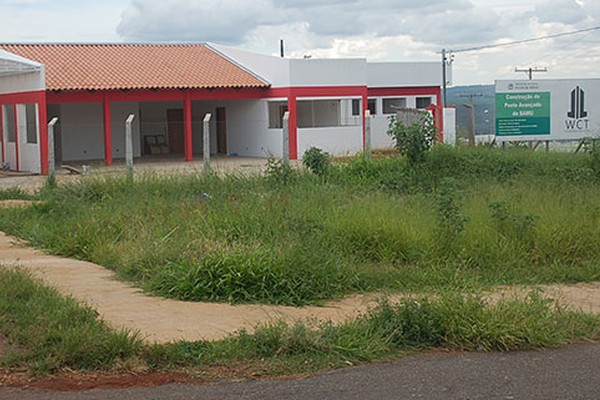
point(157, 319)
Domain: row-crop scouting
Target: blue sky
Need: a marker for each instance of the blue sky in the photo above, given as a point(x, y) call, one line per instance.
point(380, 30)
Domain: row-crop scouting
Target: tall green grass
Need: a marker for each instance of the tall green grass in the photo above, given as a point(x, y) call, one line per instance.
point(464, 219)
point(448, 322)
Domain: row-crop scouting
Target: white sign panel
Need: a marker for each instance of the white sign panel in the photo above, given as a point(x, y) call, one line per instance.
point(547, 109)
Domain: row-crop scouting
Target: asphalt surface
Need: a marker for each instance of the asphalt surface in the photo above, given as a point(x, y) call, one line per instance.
point(568, 373)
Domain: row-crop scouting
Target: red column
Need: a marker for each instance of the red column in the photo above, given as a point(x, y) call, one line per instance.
point(16, 114)
point(43, 124)
point(187, 128)
point(293, 125)
point(2, 132)
point(107, 131)
point(365, 107)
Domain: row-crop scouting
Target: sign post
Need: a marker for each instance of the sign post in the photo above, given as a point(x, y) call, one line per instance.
point(547, 110)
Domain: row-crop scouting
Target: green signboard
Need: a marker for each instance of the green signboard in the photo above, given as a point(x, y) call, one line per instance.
point(522, 114)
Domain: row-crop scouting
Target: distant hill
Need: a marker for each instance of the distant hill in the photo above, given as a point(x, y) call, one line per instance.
point(485, 108)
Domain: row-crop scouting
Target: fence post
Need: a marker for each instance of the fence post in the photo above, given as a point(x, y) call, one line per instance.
point(206, 142)
point(285, 149)
point(129, 145)
point(367, 135)
point(51, 156)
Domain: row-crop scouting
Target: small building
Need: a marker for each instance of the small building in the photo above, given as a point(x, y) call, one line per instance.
point(92, 88)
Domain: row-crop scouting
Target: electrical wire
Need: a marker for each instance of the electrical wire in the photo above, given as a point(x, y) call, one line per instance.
point(535, 39)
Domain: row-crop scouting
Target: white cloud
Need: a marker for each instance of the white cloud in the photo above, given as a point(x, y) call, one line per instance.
point(375, 29)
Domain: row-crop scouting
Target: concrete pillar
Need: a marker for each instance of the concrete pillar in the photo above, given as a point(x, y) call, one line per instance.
point(367, 118)
point(129, 145)
point(206, 142)
point(50, 143)
point(285, 142)
point(293, 126)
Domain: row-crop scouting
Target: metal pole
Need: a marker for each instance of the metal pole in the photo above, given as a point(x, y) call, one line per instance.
point(367, 135)
point(129, 145)
point(206, 142)
point(444, 78)
point(51, 156)
point(285, 150)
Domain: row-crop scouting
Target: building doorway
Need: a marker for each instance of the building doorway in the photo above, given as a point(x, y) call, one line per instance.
point(175, 130)
point(221, 130)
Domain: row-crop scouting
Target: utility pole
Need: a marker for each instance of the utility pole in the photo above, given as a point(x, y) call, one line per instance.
point(471, 106)
point(447, 59)
point(529, 71)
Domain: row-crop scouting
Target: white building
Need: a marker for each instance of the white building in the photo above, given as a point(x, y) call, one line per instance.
point(92, 88)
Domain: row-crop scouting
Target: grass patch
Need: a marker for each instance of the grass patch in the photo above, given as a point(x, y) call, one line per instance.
point(449, 322)
point(15, 194)
point(53, 332)
point(463, 219)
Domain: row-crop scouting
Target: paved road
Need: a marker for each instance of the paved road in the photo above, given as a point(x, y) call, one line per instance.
point(569, 373)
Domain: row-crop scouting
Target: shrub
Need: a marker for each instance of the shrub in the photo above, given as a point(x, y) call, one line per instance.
point(279, 172)
point(413, 141)
point(317, 161)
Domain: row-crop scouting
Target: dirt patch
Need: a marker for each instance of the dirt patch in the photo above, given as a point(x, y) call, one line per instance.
point(579, 297)
point(79, 382)
point(15, 203)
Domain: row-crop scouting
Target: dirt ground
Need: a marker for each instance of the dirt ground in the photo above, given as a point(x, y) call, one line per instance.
point(163, 166)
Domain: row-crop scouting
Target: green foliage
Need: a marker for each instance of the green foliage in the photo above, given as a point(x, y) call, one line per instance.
point(510, 223)
point(449, 322)
point(369, 226)
point(15, 194)
point(316, 161)
point(413, 141)
point(280, 172)
point(451, 223)
point(254, 277)
point(593, 148)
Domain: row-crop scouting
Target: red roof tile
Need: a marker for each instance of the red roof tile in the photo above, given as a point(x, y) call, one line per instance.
point(135, 66)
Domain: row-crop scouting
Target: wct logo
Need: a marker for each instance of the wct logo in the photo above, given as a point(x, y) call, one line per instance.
point(578, 115)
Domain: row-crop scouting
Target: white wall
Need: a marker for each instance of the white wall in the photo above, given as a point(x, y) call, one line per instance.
point(29, 82)
point(247, 130)
point(398, 74)
point(450, 126)
point(339, 141)
point(29, 153)
point(9, 147)
point(82, 131)
point(379, 137)
point(285, 72)
point(20, 81)
point(328, 72)
point(273, 70)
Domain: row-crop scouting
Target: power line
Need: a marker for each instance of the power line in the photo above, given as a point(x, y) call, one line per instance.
point(535, 39)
